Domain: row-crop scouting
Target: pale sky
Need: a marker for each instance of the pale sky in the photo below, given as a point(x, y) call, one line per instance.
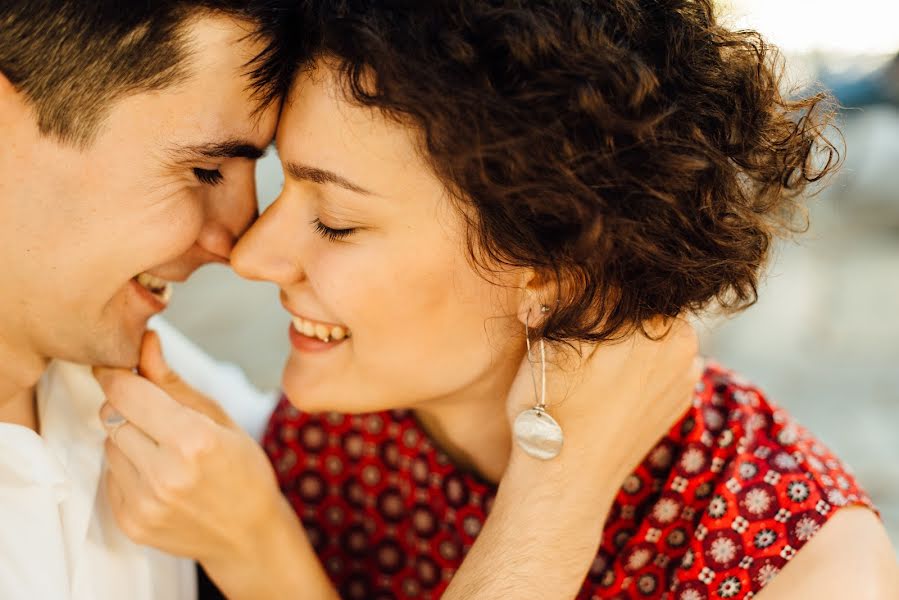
point(848, 26)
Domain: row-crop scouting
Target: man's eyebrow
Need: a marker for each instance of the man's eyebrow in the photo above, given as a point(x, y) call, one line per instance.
point(227, 149)
point(316, 175)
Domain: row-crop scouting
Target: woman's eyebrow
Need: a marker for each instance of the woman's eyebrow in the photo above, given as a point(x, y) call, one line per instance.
point(316, 175)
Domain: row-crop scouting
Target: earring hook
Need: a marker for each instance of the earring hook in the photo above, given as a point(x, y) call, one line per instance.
point(541, 397)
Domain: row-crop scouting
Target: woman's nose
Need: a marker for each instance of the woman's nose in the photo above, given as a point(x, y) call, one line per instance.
point(269, 250)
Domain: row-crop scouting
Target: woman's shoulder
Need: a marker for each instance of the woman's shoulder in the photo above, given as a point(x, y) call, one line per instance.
point(760, 484)
point(757, 443)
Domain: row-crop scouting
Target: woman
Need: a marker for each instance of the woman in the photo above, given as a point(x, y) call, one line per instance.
point(465, 181)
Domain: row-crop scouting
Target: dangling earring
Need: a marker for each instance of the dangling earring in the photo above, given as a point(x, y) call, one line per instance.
point(535, 431)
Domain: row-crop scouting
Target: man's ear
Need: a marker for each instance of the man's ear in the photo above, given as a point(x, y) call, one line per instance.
point(9, 95)
point(6, 86)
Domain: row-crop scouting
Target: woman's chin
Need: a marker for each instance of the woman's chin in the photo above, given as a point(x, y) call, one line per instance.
point(312, 395)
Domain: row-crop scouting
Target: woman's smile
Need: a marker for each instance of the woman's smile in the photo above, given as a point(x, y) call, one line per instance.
point(307, 335)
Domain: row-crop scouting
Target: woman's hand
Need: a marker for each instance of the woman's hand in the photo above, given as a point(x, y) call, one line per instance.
point(183, 478)
point(614, 403)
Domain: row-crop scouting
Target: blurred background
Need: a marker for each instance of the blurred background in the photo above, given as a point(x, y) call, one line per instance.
point(823, 340)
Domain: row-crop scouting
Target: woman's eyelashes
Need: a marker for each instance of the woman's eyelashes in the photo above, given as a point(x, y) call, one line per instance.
point(335, 235)
point(208, 176)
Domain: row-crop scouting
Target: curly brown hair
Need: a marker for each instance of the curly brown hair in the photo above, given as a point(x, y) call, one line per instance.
point(636, 152)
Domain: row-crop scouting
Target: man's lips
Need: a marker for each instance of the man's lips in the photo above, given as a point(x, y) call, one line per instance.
point(160, 288)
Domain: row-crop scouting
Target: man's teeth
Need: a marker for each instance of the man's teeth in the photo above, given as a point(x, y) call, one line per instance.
point(160, 288)
point(325, 333)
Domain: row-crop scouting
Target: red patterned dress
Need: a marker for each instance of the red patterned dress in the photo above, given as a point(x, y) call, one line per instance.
point(717, 508)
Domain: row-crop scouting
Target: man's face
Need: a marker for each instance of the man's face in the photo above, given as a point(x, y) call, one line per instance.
point(166, 186)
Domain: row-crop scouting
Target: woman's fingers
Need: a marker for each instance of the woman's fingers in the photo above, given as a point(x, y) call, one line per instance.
point(143, 404)
point(121, 466)
point(136, 447)
point(154, 367)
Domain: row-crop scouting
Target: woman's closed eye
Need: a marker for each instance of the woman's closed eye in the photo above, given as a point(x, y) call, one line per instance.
point(208, 176)
point(330, 233)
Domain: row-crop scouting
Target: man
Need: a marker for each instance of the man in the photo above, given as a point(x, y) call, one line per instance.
point(129, 140)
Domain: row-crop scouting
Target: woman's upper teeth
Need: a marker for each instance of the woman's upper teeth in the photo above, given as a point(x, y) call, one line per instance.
point(324, 332)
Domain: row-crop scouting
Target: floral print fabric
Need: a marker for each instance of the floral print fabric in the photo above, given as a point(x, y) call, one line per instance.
point(715, 510)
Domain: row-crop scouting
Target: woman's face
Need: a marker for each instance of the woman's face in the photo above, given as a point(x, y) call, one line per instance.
point(364, 241)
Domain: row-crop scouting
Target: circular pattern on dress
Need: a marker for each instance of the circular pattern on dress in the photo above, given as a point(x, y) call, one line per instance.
point(371, 475)
point(354, 445)
point(423, 521)
point(334, 465)
point(729, 587)
point(354, 541)
point(471, 525)
point(390, 453)
point(676, 538)
point(758, 502)
point(449, 550)
point(803, 526)
point(390, 557)
point(356, 587)
point(391, 505)
point(428, 571)
point(693, 460)
point(638, 557)
point(691, 590)
point(353, 492)
point(723, 549)
point(666, 510)
point(764, 538)
point(798, 491)
point(313, 437)
point(421, 473)
point(632, 484)
point(747, 470)
point(763, 571)
point(660, 457)
point(647, 584)
point(312, 487)
point(455, 490)
point(717, 507)
point(286, 462)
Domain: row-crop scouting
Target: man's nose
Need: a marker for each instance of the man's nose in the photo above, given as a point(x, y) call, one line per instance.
point(229, 212)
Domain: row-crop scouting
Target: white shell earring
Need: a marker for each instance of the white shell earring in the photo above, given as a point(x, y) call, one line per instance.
point(535, 431)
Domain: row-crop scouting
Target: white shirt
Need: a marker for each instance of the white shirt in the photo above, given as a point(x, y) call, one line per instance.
point(226, 383)
point(58, 537)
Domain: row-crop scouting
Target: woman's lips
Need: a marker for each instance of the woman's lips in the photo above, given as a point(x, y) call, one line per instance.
point(315, 342)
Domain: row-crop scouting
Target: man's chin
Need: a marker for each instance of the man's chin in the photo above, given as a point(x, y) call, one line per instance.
point(120, 349)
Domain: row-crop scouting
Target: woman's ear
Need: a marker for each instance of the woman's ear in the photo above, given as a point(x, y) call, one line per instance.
point(537, 300)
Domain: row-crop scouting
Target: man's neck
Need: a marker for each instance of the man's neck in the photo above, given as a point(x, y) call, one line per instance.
point(21, 409)
point(19, 373)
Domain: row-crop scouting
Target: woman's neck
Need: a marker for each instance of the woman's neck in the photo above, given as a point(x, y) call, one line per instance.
point(472, 426)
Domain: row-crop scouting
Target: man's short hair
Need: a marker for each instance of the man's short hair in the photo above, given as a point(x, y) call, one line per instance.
point(72, 59)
